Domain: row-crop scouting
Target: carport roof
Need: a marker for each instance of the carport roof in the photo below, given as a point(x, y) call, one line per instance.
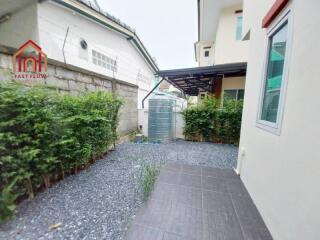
point(193, 80)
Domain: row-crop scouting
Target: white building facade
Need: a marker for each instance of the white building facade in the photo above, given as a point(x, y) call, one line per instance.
point(80, 34)
point(220, 33)
point(221, 41)
point(279, 157)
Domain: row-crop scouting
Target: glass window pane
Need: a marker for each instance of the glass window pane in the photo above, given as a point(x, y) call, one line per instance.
point(230, 94)
point(276, 58)
point(239, 28)
point(240, 94)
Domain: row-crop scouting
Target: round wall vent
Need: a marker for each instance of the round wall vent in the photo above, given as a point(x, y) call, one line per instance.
point(83, 44)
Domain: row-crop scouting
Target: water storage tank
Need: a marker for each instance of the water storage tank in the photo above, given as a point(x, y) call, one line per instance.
point(162, 122)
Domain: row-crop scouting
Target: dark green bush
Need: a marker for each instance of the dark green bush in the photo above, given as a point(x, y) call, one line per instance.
point(208, 121)
point(45, 135)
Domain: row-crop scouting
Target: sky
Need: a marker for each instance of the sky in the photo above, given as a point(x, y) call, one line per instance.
point(167, 28)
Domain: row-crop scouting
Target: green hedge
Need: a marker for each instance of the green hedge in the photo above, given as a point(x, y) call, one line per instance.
point(209, 122)
point(45, 135)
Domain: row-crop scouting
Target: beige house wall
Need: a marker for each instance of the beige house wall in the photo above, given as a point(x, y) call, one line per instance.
point(223, 46)
point(233, 83)
point(227, 49)
point(282, 172)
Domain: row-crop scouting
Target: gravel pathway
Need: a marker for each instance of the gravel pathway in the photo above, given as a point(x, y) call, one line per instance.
point(99, 202)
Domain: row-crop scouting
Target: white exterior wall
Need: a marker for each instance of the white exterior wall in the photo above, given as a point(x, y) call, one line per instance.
point(282, 172)
point(202, 59)
point(227, 48)
point(53, 23)
point(47, 23)
point(20, 27)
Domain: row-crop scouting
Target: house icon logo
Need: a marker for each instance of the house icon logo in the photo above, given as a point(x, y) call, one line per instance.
point(30, 64)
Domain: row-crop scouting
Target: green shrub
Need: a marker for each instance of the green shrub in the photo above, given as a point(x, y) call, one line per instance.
point(45, 135)
point(209, 122)
point(7, 201)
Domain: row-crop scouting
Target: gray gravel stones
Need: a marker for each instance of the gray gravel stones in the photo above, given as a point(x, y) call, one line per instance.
point(99, 202)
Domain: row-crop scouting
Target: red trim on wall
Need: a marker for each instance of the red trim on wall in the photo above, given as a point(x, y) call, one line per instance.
point(273, 12)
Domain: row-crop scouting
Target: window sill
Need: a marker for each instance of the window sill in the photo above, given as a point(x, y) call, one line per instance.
point(271, 128)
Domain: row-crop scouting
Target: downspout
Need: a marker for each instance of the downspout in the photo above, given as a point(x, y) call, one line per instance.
point(64, 43)
point(155, 87)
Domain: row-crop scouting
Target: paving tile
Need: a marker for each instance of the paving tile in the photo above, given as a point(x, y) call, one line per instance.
point(175, 167)
point(138, 232)
point(216, 201)
point(212, 172)
point(254, 233)
point(154, 214)
point(221, 225)
point(236, 187)
point(190, 180)
point(247, 212)
point(168, 177)
point(190, 169)
point(172, 236)
point(185, 221)
point(191, 197)
point(230, 173)
point(214, 184)
point(164, 192)
point(212, 206)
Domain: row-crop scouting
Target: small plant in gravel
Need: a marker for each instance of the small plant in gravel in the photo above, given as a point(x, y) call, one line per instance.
point(150, 172)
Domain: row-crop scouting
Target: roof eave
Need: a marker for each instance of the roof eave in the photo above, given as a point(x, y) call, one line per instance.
point(129, 34)
point(201, 70)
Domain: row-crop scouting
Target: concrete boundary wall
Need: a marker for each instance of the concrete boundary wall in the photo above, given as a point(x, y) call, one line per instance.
point(74, 80)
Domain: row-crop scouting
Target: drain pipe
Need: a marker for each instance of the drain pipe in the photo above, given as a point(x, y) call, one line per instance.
point(155, 87)
point(64, 43)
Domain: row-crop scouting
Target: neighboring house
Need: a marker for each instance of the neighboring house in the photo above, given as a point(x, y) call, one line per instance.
point(220, 41)
point(220, 51)
point(279, 157)
point(79, 33)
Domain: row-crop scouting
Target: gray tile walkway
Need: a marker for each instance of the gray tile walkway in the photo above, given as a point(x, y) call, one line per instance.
point(198, 203)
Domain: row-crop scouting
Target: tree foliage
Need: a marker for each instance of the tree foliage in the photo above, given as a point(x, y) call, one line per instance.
point(45, 135)
point(208, 121)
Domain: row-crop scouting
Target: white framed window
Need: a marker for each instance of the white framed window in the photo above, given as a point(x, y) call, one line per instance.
point(274, 82)
point(239, 26)
point(233, 94)
point(102, 60)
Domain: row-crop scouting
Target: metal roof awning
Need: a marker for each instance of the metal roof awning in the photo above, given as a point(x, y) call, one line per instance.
point(193, 80)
